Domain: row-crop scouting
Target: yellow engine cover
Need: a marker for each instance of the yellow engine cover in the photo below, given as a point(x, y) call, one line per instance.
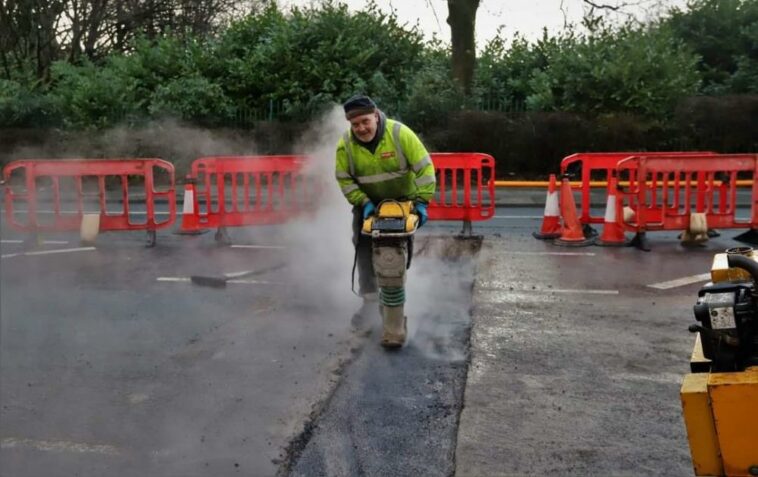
point(720, 271)
point(720, 415)
point(393, 210)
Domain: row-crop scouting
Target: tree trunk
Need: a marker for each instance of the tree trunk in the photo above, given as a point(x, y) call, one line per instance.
point(462, 18)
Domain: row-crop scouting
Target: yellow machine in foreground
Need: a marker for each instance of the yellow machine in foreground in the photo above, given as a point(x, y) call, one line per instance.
point(720, 395)
point(391, 229)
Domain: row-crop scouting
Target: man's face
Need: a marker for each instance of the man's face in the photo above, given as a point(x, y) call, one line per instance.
point(364, 126)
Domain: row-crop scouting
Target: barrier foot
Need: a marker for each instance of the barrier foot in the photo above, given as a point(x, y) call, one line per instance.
point(751, 237)
point(467, 228)
point(574, 243)
point(641, 242)
point(34, 242)
point(713, 233)
point(151, 239)
point(222, 236)
point(588, 231)
point(540, 236)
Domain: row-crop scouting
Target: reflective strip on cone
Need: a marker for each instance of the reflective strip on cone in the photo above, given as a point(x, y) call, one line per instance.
point(610, 209)
point(189, 202)
point(551, 205)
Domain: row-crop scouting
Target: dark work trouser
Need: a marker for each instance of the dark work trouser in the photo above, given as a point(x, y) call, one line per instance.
point(363, 245)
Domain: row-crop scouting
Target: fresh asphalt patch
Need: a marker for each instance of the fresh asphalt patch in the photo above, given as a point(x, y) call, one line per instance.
point(396, 412)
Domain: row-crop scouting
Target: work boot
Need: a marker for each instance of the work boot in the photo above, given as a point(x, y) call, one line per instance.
point(395, 329)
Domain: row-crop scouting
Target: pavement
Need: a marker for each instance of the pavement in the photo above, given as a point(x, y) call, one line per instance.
point(524, 358)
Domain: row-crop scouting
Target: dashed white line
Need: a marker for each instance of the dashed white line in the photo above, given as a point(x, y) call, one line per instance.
point(110, 212)
point(49, 252)
point(568, 254)
point(680, 282)
point(234, 281)
point(44, 242)
point(58, 446)
point(259, 246)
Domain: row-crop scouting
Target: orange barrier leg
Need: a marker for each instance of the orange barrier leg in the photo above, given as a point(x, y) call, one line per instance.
point(551, 219)
point(613, 231)
point(190, 214)
point(572, 234)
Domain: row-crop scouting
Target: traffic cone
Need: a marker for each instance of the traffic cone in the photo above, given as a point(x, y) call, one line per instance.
point(572, 234)
point(551, 219)
point(190, 214)
point(613, 231)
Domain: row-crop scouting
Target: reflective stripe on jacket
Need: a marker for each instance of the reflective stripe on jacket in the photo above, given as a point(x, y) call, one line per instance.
point(400, 168)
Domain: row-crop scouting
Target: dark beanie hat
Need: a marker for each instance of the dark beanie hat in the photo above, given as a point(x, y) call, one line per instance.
point(358, 105)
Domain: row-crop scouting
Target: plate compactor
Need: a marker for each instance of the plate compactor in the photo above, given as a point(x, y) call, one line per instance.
point(391, 229)
point(720, 395)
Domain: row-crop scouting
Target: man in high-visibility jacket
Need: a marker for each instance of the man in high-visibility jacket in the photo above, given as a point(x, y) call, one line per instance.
point(378, 159)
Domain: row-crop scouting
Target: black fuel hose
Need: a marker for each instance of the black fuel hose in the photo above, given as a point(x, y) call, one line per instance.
point(745, 263)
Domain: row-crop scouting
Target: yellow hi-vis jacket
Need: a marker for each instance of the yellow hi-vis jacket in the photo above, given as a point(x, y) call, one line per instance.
point(400, 168)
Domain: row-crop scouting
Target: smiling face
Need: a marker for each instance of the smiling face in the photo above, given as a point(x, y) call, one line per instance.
point(364, 126)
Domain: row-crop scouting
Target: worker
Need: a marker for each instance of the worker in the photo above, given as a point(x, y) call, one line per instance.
point(378, 159)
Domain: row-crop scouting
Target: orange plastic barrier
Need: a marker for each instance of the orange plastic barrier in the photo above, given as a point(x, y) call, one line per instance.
point(601, 166)
point(668, 189)
point(465, 188)
point(83, 185)
point(234, 191)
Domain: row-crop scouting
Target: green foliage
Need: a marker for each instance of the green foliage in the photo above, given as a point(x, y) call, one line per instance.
point(434, 94)
point(89, 96)
point(23, 106)
point(630, 69)
point(191, 98)
point(315, 56)
point(725, 35)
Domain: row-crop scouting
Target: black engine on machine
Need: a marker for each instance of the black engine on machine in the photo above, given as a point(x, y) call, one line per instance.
point(728, 313)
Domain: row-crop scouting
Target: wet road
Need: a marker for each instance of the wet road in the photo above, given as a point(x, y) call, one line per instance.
point(105, 369)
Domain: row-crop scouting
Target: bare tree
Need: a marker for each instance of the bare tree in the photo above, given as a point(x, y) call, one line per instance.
point(34, 33)
point(462, 21)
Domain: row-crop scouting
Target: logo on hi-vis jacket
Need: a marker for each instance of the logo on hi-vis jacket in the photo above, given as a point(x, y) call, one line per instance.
point(387, 155)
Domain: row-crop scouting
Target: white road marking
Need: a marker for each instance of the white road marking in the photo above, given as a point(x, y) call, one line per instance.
point(568, 254)
point(509, 217)
point(238, 274)
point(259, 246)
point(253, 282)
point(58, 446)
point(680, 282)
point(110, 212)
point(44, 242)
point(237, 282)
point(49, 252)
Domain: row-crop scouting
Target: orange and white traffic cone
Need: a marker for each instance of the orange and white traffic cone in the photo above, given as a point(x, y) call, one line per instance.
point(190, 214)
point(551, 219)
point(572, 234)
point(613, 231)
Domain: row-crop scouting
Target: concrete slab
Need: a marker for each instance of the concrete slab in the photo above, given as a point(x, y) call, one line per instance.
point(575, 383)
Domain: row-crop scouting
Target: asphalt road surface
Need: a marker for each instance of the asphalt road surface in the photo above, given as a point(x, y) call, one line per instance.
point(524, 358)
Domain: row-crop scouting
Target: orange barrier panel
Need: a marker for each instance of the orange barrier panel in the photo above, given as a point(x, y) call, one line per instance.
point(669, 189)
point(273, 189)
point(235, 191)
point(601, 165)
point(84, 184)
point(465, 188)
